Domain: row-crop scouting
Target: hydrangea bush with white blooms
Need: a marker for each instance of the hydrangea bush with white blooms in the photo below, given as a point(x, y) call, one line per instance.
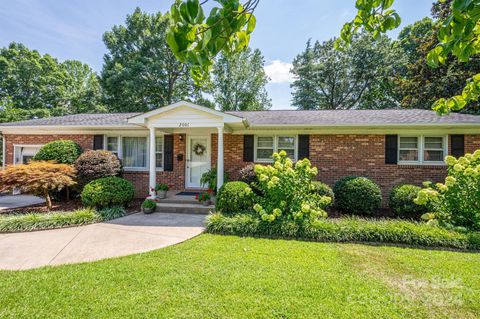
point(287, 191)
point(456, 202)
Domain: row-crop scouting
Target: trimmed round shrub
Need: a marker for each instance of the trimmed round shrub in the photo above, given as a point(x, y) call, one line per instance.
point(247, 174)
point(234, 198)
point(323, 189)
point(401, 202)
point(357, 195)
point(61, 151)
point(93, 165)
point(108, 192)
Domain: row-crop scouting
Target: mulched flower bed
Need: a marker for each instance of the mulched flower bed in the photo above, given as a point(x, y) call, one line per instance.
point(66, 206)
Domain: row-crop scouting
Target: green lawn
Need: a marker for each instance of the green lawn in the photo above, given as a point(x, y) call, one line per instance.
point(216, 276)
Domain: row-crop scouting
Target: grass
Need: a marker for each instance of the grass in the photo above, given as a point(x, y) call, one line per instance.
point(354, 229)
point(40, 221)
point(213, 276)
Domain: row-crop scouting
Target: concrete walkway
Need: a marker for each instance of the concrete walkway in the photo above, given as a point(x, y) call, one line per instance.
point(124, 236)
point(17, 201)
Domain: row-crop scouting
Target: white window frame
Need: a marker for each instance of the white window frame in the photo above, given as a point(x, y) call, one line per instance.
point(120, 151)
point(275, 146)
point(15, 150)
point(421, 150)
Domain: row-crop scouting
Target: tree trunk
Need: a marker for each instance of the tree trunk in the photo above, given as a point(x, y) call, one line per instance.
point(48, 200)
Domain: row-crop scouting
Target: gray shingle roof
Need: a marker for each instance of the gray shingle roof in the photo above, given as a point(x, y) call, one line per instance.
point(274, 117)
point(355, 117)
point(87, 119)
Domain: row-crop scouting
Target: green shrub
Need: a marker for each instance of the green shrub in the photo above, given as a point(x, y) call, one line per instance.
point(357, 195)
point(209, 179)
point(93, 165)
point(108, 192)
point(38, 221)
point(110, 213)
point(286, 191)
point(401, 202)
point(456, 203)
point(60, 151)
point(323, 189)
point(234, 198)
point(149, 204)
point(346, 230)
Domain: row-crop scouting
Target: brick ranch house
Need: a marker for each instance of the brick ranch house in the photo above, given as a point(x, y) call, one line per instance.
point(176, 144)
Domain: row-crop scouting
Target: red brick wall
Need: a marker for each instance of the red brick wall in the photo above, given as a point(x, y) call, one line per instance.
point(85, 141)
point(175, 178)
point(334, 155)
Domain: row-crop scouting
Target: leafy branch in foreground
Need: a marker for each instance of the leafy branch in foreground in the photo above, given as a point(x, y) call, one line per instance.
point(458, 35)
point(196, 39)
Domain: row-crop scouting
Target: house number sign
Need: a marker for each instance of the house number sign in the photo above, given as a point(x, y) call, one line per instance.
point(184, 125)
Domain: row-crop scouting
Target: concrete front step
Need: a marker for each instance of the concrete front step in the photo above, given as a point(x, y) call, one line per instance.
point(184, 208)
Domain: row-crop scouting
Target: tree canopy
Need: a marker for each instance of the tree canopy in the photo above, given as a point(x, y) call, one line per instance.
point(192, 38)
point(238, 82)
point(419, 85)
point(361, 76)
point(34, 85)
point(140, 72)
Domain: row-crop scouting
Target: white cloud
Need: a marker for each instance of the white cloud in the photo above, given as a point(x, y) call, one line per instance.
point(279, 72)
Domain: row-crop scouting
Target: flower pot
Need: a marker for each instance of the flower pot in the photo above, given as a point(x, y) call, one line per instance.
point(162, 194)
point(206, 203)
point(148, 210)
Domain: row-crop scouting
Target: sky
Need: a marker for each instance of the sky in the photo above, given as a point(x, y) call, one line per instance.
point(73, 29)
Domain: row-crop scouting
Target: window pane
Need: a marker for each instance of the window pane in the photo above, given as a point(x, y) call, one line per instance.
point(291, 154)
point(265, 141)
point(408, 142)
point(433, 156)
point(135, 152)
point(159, 160)
point(408, 155)
point(112, 144)
point(433, 142)
point(285, 142)
point(265, 153)
point(158, 144)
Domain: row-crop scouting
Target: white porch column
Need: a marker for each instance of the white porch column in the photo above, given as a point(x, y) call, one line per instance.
point(220, 158)
point(153, 169)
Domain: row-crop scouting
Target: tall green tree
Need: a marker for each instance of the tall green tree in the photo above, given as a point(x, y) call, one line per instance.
point(238, 82)
point(419, 86)
point(82, 90)
point(140, 71)
point(30, 80)
point(34, 85)
point(361, 76)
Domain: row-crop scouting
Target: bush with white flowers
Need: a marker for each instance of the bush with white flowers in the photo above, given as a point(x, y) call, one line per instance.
point(456, 202)
point(286, 191)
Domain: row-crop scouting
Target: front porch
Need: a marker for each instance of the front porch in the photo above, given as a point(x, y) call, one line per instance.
point(186, 149)
point(176, 202)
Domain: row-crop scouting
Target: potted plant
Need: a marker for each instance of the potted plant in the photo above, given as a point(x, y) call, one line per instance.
point(161, 190)
point(204, 198)
point(148, 206)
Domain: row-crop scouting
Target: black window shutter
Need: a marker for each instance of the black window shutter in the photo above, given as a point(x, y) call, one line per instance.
point(168, 153)
point(98, 142)
point(391, 149)
point(248, 148)
point(458, 145)
point(303, 146)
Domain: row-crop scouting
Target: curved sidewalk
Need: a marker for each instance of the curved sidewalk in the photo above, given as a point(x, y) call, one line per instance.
point(124, 236)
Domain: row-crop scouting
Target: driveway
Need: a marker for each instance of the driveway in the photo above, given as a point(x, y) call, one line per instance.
point(124, 236)
point(17, 201)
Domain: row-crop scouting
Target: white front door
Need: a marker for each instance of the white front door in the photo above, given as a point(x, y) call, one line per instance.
point(198, 160)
